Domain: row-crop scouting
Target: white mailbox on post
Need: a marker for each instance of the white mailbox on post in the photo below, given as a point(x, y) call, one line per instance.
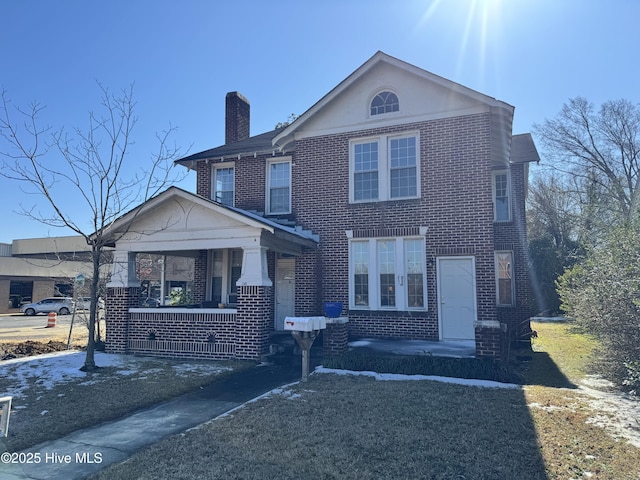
point(305, 324)
point(305, 330)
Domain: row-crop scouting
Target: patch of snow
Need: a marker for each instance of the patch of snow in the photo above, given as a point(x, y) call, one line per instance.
point(44, 412)
point(435, 378)
point(617, 413)
point(49, 370)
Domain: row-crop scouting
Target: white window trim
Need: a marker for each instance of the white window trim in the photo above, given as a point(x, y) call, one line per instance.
point(218, 166)
point(513, 282)
point(401, 276)
point(384, 166)
point(493, 189)
point(268, 184)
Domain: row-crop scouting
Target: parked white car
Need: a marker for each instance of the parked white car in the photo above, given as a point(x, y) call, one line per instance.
point(59, 305)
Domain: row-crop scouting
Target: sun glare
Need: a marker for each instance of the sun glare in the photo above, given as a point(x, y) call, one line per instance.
point(472, 23)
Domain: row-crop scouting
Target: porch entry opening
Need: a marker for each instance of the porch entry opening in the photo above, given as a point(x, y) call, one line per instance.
point(226, 269)
point(456, 297)
point(285, 291)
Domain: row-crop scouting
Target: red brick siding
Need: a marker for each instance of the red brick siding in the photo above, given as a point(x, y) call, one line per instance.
point(183, 335)
point(250, 183)
point(513, 236)
point(455, 203)
point(492, 343)
point(203, 179)
point(308, 285)
point(200, 278)
point(335, 339)
point(255, 321)
point(118, 303)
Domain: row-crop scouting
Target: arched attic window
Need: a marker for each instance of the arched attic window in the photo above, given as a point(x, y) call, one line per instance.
point(384, 102)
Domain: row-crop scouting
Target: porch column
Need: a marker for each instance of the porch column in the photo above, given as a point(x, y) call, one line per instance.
point(123, 270)
point(255, 305)
point(254, 267)
point(123, 291)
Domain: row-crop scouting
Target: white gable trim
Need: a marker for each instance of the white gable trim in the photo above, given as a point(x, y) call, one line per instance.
point(292, 131)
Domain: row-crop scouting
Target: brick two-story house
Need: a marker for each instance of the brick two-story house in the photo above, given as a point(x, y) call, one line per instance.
point(399, 193)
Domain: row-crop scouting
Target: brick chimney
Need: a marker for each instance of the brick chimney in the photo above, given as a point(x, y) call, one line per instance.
point(236, 118)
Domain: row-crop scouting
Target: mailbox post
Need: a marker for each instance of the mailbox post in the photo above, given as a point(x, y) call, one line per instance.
point(305, 330)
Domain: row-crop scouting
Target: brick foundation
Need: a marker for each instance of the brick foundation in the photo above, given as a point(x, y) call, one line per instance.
point(492, 340)
point(335, 338)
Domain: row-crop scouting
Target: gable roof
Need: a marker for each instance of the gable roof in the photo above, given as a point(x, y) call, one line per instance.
point(286, 136)
point(281, 140)
point(244, 217)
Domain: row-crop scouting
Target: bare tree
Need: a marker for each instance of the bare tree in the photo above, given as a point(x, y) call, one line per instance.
point(89, 166)
point(600, 150)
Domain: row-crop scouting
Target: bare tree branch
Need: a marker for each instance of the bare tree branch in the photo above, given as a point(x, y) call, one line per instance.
point(90, 166)
point(600, 151)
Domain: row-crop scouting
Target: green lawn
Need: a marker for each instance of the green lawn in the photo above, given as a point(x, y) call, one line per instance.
point(346, 427)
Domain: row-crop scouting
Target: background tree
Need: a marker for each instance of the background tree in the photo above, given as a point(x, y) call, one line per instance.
point(595, 156)
point(600, 152)
point(554, 238)
point(84, 175)
point(603, 294)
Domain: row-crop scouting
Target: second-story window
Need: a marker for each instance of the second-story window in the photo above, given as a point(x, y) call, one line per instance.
point(223, 184)
point(279, 187)
point(384, 168)
point(501, 207)
point(365, 175)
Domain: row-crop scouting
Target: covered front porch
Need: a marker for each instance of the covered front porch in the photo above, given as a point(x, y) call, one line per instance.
point(225, 281)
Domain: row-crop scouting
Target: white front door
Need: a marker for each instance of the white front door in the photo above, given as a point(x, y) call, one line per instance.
point(285, 290)
point(457, 298)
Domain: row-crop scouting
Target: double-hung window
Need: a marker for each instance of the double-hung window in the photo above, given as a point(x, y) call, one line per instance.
point(384, 168)
point(501, 203)
point(387, 274)
point(279, 187)
point(504, 278)
point(223, 183)
point(365, 176)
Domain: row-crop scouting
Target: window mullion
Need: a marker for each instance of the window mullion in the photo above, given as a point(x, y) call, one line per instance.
point(374, 280)
point(401, 275)
point(383, 168)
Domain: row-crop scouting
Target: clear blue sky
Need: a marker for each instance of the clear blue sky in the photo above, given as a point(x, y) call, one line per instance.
point(284, 55)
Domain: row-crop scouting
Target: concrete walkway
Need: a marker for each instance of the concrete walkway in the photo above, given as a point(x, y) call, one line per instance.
point(88, 451)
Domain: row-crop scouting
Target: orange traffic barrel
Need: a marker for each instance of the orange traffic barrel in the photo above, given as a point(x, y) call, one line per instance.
point(51, 320)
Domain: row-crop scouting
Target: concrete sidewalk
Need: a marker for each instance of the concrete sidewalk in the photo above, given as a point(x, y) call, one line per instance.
point(88, 451)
